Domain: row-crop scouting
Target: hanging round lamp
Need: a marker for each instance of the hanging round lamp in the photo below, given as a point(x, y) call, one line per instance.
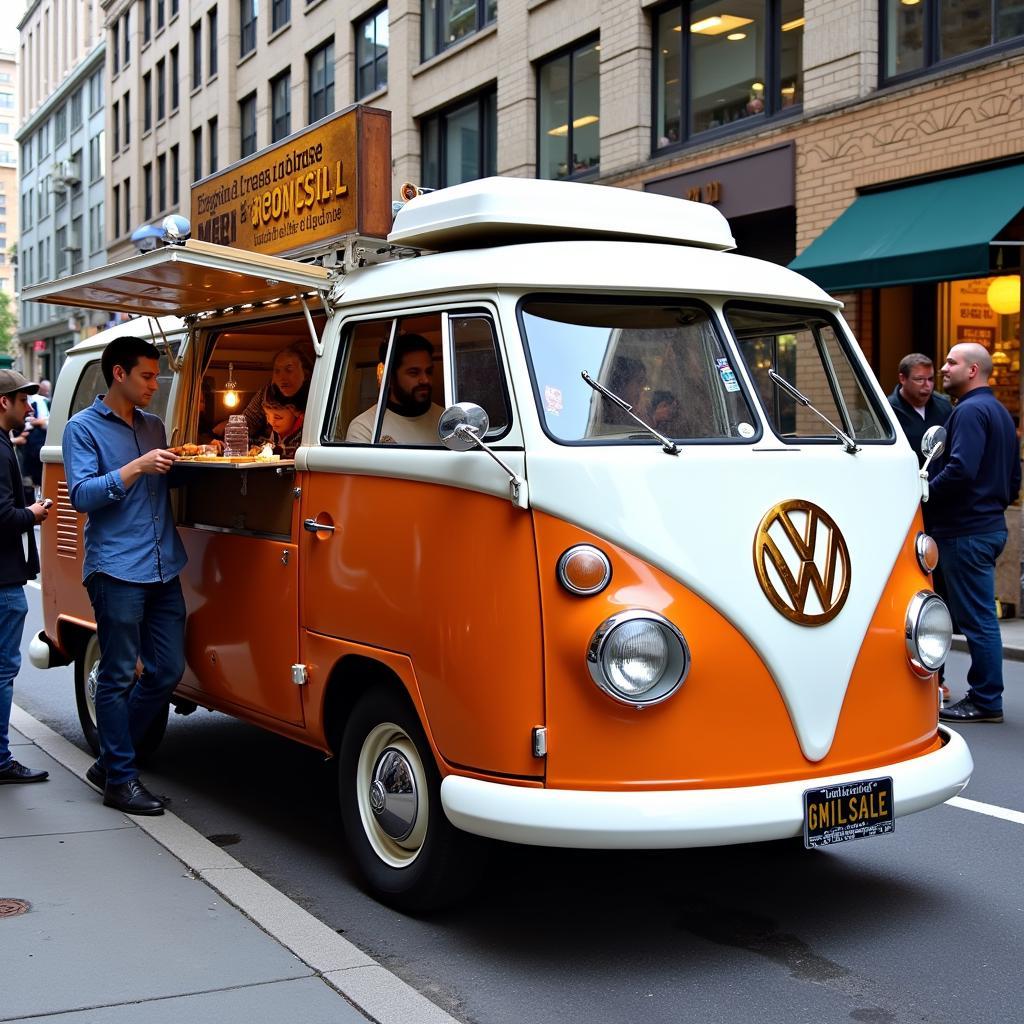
point(1004, 295)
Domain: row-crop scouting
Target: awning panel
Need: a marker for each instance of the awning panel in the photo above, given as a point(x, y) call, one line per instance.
point(933, 231)
point(192, 278)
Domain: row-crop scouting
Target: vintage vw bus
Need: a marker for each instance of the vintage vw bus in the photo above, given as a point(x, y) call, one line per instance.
point(662, 583)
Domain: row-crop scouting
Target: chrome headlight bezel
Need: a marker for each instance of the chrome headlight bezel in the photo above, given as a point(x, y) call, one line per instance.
point(919, 603)
point(671, 679)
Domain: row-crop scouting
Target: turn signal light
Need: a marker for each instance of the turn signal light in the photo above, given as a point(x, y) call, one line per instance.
point(927, 553)
point(584, 570)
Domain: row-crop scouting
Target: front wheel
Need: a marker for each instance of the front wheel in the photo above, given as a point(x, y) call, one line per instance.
point(87, 663)
point(389, 788)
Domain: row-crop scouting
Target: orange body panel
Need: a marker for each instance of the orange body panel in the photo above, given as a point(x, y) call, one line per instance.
point(62, 546)
point(447, 577)
point(728, 725)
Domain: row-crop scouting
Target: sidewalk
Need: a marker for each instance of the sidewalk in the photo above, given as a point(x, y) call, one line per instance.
point(144, 921)
point(1013, 639)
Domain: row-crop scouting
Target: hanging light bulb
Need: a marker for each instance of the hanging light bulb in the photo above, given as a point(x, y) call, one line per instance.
point(231, 388)
point(1004, 295)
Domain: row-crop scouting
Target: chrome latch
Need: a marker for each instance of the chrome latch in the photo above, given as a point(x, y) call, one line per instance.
point(300, 676)
point(540, 741)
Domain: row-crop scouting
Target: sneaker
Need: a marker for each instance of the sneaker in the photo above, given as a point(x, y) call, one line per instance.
point(967, 711)
point(15, 773)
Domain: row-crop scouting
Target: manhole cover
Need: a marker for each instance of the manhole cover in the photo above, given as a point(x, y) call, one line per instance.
point(12, 908)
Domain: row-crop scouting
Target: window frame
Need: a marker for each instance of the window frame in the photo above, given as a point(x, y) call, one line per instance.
point(370, 17)
point(328, 92)
point(772, 64)
point(479, 97)
point(441, 47)
point(247, 26)
point(280, 14)
point(274, 117)
point(549, 58)
point(931, 62)
point(242, 136)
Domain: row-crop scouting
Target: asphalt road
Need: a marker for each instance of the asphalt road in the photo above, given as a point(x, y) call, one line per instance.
point(926, 924)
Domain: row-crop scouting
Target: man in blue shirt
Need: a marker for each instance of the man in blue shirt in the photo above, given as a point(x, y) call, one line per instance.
point(116, 463)
point(972, 482)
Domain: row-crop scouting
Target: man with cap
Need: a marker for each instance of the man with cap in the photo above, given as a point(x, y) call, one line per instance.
point(19, 562)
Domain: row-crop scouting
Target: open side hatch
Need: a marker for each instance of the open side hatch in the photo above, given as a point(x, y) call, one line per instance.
point(196, 277)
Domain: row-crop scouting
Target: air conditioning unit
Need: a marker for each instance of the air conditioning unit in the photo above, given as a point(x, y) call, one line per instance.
point(65, 172)
point(58, 185)
point(72, 175)
point(73, 244)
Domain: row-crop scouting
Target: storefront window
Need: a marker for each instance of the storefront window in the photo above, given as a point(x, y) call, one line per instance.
point(923, 33)
point(568, 99)
point(716, 66)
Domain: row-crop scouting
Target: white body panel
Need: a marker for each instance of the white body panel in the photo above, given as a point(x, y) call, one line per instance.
point(682, 818)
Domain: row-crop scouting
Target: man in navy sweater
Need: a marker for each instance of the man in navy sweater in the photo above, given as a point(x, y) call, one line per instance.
point(972, 482)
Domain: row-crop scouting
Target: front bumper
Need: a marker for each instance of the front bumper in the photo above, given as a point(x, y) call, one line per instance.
point(673, 819)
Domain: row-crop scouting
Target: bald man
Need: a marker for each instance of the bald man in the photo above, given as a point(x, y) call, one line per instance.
point(972, 482)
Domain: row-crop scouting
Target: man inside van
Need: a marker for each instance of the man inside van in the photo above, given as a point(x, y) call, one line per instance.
point(972, 482)
point(116, 463)
point(19, 562)
point(915, 402)
point(411, 415)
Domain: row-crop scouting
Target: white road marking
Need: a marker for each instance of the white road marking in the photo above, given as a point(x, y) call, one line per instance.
point(1017, 817)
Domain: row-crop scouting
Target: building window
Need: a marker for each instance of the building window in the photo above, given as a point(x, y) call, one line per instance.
point(211, 28)
point(62, 250)
point(42, 141)
point(116, 207)
point(126, 50)
point(249, 10)
point(76, 110)
point(96, 93)
point(174, 8)
point(197, 154)
point(175, 174)
point(127, 186)
point(60, 126)
point(147, 101)
point(96, 157)
point(125, 105)
point(175, 91)
point(147, 184)
point(161, 91)
point(76, 245)
point(115, 119)
point(247, 120)
point(161, 182)
point(445, 22)
point(197, 55)
point(96, 228)
point(280, 14)
point(724, 68)
point(147, 21)
point(372, 53)
point(159, 14)
point(280, 106)
point(459, 143)
point(321, 81)
point(115, 47)
point(211, 127)
point(568, 112)
point(918, 35)
point(26, 155)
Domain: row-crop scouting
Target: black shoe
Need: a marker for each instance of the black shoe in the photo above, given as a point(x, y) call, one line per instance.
point(96, 774)
point(15, 772)
point(132, 797)
point(967, 711)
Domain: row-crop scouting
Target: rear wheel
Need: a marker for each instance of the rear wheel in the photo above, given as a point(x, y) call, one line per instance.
point(411, 856)
point(87, 663)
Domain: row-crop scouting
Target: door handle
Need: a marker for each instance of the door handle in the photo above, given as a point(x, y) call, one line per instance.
point(312, 526)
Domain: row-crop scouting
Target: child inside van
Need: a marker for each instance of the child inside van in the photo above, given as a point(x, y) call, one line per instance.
point(284, 427)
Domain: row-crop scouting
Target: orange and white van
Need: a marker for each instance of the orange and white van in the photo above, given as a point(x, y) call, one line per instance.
point(694, 611)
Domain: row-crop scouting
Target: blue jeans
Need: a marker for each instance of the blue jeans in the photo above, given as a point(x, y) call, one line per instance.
point(13, 609)
point(969, 573)
point(133, 621)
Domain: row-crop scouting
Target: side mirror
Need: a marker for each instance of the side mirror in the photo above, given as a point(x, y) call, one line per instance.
point(462, 426)
point(934, 442)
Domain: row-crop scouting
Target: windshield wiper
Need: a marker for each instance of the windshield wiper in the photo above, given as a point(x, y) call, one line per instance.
point(669, 447)
point(848, 442)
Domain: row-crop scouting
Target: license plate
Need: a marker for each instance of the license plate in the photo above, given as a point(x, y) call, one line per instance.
point(849, 810)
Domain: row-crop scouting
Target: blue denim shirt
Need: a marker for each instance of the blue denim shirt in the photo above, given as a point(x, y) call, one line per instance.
point(130, 534)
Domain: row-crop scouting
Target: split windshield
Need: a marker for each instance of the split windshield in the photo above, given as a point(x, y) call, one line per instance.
point(666, 361)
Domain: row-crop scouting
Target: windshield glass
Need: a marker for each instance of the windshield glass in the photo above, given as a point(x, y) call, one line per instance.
point(807, 350)
point(668, 362)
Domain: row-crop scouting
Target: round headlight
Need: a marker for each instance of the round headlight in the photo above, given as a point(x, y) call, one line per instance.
point(927, 553)
point(638, 658)
point(929, 632)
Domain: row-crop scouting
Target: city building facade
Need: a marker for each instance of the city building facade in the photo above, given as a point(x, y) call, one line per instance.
point(8, 174)
point(62, 151)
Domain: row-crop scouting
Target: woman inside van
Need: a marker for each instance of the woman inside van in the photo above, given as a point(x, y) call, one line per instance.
point(288, 385)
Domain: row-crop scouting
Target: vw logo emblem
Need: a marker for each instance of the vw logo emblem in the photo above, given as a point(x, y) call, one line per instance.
point(378, 798)
point(802, 562)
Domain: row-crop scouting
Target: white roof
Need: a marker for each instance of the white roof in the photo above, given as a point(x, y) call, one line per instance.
point(501, 210)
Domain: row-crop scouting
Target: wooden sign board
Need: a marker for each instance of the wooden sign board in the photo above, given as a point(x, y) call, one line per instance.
point(327, 181)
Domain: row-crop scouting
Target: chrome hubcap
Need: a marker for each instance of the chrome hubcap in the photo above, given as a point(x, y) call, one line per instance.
point(393, 796)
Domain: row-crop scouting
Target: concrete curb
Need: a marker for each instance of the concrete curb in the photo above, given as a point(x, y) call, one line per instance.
point(371, 988)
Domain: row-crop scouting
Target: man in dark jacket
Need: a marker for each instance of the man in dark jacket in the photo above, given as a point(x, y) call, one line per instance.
point(914, 401)
point(972, 482)
point(19, 562)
